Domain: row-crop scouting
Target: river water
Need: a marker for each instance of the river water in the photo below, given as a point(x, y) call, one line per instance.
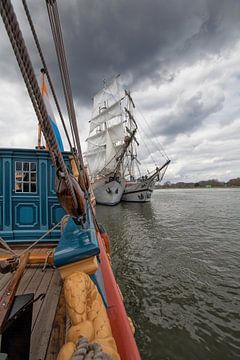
point(177, 261)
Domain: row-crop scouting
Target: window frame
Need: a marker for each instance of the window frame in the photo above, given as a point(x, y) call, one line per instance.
point(28, 171)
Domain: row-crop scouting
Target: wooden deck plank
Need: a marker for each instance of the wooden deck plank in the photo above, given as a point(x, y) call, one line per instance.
point(4, 279)
point(42, 289)
point(57, 338)
point(37, 281)
point(43, 325)
point(27, 278)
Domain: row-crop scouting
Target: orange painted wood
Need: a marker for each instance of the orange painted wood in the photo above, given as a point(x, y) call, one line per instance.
point(120, 326)
point(35, 258)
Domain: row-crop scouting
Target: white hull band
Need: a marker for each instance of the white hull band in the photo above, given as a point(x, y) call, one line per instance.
point(109, 193)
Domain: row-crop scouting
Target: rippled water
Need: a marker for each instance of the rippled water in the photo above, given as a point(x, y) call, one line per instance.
point(177, 261)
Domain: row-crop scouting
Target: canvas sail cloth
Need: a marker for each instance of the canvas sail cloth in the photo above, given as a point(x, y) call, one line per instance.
point(50, 115)
point(107, 130)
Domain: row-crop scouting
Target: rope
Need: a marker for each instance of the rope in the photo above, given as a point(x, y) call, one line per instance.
point(7, 247)
point(41, 238)
point(46, 70)
point(24, 62)
point(155, 140)
point(86, 351)
point(59, 45)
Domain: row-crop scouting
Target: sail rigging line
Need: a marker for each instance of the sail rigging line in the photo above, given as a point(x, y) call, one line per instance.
point(7, 248)
point(59, 46)
point(25, 65)
point(41, 238)
point(145, 144)
point(114, 157)
point(155, 140)
point(46, 70)
point(120, 158)
point(55, 38)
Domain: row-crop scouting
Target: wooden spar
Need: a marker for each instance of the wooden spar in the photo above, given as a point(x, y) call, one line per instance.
point(42, 258)
point(7, 298)
point(159, 169)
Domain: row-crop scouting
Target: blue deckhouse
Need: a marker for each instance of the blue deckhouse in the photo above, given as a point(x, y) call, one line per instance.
point(28, 202)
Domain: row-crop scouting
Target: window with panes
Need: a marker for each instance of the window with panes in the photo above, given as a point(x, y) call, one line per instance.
point(25, 177)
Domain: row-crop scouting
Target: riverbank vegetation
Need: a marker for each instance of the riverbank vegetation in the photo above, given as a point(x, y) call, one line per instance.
point(211, 183)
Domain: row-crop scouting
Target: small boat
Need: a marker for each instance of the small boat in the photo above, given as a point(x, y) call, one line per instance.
point(107, 143)
point(59, 298)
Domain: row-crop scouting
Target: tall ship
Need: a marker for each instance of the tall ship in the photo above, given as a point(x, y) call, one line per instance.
point(109, 139)
point(59, 298)
point(112, 155)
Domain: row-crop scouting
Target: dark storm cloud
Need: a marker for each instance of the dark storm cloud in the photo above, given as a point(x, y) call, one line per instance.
point(145, 40)
point(188, 115)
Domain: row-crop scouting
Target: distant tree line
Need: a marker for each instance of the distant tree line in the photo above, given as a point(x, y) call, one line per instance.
point(200, 184)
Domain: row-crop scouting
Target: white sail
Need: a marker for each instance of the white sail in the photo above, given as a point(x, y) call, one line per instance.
point(115, 132)
point(105, 115)
point(103, 147)
point(107, 130)
point(95, 161)
point(95, 141)
point(106, 97)
point(110, 153)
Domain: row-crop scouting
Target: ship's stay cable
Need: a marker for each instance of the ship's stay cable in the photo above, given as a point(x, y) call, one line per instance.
point(156, 142)
point(55, 39)
point(158, 145)
point(59, 45)
point(25, 65)
point(46, 71)
point(146, 146)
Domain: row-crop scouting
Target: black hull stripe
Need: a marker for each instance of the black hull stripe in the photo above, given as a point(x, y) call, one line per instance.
point(136, 191)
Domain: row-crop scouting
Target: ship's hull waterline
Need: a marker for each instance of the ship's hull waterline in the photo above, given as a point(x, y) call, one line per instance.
point(138, 191)
point(109, 193)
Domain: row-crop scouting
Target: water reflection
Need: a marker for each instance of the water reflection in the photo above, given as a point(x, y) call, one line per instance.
point(177, 263)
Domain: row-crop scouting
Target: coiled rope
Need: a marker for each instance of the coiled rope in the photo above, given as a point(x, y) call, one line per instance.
point(86, 351)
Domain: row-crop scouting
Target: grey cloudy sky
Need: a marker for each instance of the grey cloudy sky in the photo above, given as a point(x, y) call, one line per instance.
point(180, 58)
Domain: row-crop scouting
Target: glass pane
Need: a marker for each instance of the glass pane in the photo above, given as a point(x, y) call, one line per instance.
point(18, 187)
point(33, 176)
point(33, 166)
point(18, 165)
point(18, 175)
point(25, 187)
point(25, 166)
point(25, 176)
point(33, 187)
